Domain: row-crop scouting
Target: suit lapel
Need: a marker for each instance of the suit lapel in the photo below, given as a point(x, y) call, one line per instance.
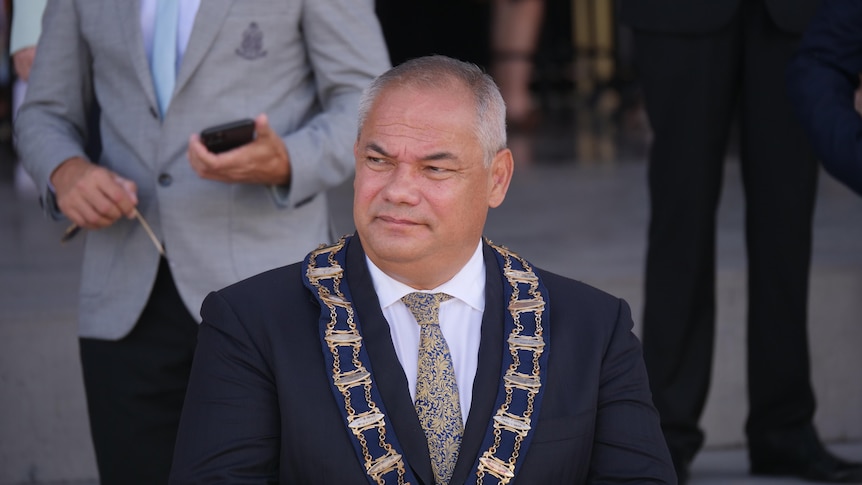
point(488, 372)
point(208, 22)
point(129, 17)
point(387, 371)
point(392, 383)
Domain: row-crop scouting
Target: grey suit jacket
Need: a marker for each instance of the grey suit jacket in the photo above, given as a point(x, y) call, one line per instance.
point(314, 58)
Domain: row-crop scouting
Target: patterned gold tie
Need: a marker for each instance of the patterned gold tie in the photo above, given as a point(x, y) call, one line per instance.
point(437, 401)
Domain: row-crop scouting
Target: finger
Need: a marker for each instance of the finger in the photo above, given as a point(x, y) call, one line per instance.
point(128, 203)
point(198, 155)
point(91, 217)
point(262, 126)
point(112, 199)
point(83, 200)
point(88, 210)
point(105, 197)
point(196, 148)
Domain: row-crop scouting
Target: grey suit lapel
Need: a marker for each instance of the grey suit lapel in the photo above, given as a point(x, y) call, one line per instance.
point(129, 15)
point(208, 22)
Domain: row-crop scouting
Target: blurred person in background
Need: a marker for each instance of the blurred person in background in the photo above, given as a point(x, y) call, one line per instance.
point(515, 30)
point(162, 71)
point(24, 34)
point(823, 81)
point(701, 63)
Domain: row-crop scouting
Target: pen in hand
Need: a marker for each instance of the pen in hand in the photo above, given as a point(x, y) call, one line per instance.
point(74, 229)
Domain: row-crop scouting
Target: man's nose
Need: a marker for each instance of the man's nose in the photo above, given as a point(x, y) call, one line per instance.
point(404, 185)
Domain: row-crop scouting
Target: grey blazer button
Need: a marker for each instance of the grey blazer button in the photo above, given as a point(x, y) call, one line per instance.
point(165, 180)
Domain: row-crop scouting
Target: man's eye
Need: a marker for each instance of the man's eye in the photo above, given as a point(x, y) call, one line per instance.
point(377, 163)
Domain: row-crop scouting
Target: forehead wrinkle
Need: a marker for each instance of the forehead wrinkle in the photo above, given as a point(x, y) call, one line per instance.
point(418, 134)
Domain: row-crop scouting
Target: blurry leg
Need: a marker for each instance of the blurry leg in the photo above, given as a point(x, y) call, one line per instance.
point(514, 34)
point(780, 181)
point(689, 85)
point(135, 389)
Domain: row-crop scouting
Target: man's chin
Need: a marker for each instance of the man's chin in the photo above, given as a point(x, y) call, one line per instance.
point(392, 249)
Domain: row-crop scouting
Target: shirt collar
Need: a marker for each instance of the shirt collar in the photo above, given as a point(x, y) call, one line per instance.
point(468, 285)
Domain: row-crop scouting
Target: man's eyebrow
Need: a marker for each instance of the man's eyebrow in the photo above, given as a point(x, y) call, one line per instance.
point(431, 157)
point(377, 148)
point(440, 156)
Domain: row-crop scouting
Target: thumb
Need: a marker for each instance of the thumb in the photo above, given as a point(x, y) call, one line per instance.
point(262, 126)
point(130, 188)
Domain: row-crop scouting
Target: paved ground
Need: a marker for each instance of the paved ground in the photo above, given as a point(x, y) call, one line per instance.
point(585, 219)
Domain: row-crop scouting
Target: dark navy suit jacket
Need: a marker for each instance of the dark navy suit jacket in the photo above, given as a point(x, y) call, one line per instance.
point(821, 81)
point(259, 408)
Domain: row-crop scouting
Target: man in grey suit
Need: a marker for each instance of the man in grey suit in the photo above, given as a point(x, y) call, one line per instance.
point(298, 67)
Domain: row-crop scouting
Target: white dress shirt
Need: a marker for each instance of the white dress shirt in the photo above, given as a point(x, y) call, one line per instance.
point(460, 322)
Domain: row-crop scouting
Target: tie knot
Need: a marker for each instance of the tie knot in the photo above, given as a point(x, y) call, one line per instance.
point(425, 307)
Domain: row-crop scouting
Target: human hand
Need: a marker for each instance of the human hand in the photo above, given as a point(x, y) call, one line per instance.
point(23, 60)
point(91, 196)
point(262, 161)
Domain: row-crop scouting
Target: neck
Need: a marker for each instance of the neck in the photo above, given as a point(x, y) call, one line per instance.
point(424, 275)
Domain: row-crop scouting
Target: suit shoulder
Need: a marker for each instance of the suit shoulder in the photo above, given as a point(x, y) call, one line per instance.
point(568, 288)
point(271, 291)
point(264, 308)
point(581, 312)
point(284, 277)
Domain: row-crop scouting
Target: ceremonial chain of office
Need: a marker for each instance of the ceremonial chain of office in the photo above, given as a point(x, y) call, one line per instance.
point(519, 397)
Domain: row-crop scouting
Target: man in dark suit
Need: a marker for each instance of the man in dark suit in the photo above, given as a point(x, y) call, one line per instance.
point(704, 65)
point(309, 373)
point(822, 79)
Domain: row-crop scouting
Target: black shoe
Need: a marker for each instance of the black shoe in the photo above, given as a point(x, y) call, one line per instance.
point(804, 458)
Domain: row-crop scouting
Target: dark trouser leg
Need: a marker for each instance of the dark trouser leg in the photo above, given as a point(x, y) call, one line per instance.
point(690, 88)
point(780, 180)
point(135, 389)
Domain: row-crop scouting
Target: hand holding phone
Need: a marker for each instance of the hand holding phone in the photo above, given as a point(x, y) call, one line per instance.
point(227, 136)
point(265, 161)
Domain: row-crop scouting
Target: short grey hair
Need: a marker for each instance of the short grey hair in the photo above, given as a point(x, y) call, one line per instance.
point(440, 72)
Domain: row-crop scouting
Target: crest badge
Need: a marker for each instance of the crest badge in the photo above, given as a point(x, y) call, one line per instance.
point(252, 43)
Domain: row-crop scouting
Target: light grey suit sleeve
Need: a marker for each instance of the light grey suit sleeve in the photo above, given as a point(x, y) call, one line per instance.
point(51, 125)
point(346, 51)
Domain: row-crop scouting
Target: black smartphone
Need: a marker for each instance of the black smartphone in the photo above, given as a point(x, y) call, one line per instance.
point(227, 136)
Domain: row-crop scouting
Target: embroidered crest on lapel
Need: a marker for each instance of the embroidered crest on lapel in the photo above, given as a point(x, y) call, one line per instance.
point(251, 47)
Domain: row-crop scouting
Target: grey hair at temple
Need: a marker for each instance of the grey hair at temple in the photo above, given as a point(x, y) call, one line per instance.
point(441, 72)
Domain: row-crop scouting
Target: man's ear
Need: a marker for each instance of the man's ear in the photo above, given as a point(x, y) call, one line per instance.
point(502, 168)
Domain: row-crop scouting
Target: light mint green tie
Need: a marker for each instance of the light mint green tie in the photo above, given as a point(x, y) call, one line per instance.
point(437, 403)
point(165, 51)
